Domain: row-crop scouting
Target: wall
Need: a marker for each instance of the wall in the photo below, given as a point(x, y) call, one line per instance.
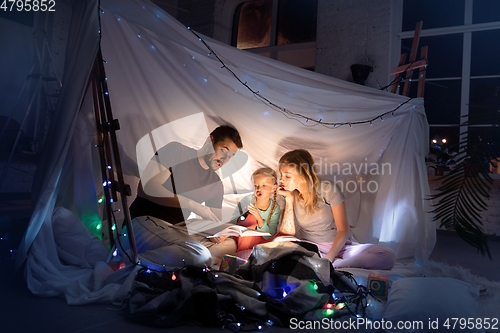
point(351, 32)
point(197, 14)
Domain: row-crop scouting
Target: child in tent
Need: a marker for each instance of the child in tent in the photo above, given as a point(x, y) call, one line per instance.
point(263, 211)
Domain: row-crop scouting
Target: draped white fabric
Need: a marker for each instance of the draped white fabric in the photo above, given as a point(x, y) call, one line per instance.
point(159, 72)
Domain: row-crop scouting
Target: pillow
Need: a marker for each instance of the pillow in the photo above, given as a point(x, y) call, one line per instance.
point(76, 245)
point(433, 303)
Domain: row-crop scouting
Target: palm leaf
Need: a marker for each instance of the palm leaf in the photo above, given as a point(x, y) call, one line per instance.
point(461, 196)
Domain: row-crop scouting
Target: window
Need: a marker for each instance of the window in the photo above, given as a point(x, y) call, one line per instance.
point(280, 29)
point(463, 76)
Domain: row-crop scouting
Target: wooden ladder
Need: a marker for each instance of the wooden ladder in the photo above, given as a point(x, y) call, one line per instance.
point(412, 65)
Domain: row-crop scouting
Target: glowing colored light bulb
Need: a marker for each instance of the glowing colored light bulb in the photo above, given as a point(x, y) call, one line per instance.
point(340, 306)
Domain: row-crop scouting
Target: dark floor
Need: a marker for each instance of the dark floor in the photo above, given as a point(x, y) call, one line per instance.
point(21, 311)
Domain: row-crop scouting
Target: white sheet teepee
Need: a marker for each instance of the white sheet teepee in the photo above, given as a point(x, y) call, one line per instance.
point(159, 72)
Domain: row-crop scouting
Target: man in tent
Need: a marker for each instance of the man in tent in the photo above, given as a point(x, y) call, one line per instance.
point(174, 184)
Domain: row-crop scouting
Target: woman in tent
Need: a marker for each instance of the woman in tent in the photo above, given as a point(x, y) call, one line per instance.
point(315, 211)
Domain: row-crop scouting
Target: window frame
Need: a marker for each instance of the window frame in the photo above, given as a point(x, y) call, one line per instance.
point(466, 30)
point(272, 51)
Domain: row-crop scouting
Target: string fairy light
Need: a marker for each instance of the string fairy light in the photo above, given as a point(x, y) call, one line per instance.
point(287, 113)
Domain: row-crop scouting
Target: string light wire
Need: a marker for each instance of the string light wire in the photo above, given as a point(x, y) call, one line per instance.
point(287, 113)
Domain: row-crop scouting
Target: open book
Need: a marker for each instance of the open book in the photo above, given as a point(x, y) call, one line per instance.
point(241, 231)
point(210, 229)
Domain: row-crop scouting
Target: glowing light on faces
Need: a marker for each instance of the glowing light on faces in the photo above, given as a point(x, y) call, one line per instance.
point(264, 186)
point(223, 151)
point(290, 178)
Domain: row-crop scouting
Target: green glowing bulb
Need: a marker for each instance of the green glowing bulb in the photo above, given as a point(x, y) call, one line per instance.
point(100, 200)
point(113, 227)
point(329, 312)
point(340, 305)
point(315, 286)
point(98, 227)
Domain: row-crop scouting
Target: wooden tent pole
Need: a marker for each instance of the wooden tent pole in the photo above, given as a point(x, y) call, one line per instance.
point(102, 145)
point(112, 125)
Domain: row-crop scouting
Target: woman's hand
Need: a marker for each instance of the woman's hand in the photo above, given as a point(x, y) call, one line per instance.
point(340, 217)
point(255, 212)
point(288, 195)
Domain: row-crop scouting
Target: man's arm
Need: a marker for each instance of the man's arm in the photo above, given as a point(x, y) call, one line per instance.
point(155, 175)
point(154, 191)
